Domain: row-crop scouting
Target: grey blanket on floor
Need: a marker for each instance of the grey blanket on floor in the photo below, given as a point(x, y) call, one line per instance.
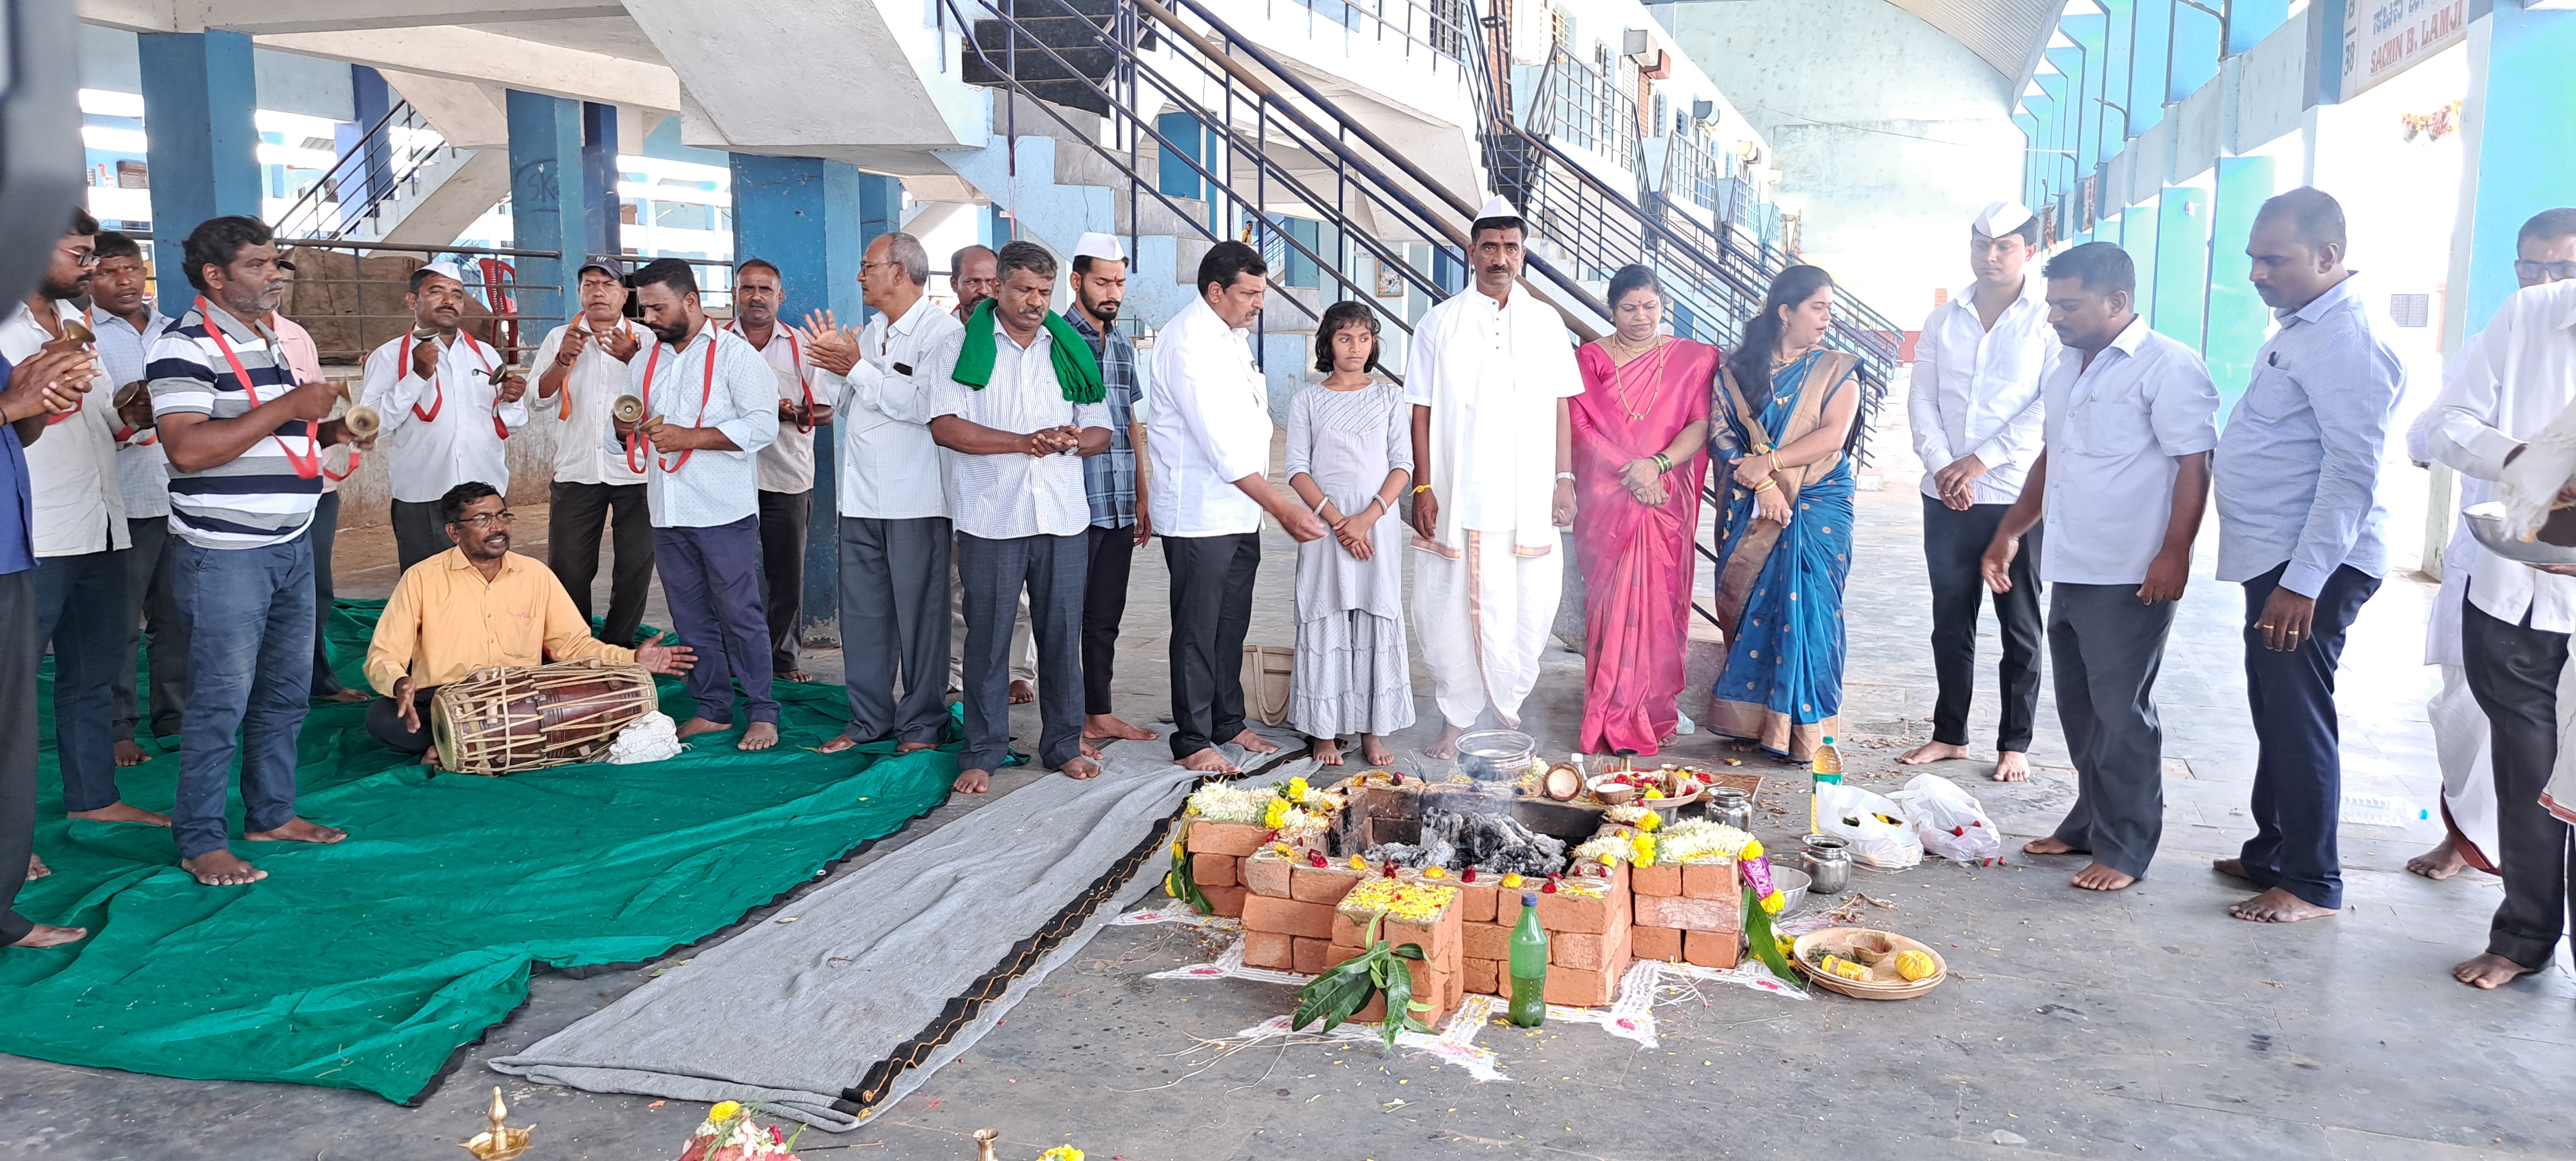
point(791, 1014)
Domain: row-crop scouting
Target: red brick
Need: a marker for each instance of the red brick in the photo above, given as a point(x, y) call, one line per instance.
point(1267, 949)
point(1339, 953)
point(1485, 941)
point(1225, 838)
point(1481, 976)
point(1325, 885)
point(1716, 949)
point(1439, 939)
point(1711, 881)
point(1662, 880)
point(1564, 911)
point(1430, 985)
point(1228, 901)
point(1476, 901)
point(1457, 993)
point(1265, 874)
point(1660, 943)
point(1589, 952)
point(1577, 988)
point(1507, 904)
point(1213, 870)
point(1288, 917)
point(1310, 956)
point(1690, 914)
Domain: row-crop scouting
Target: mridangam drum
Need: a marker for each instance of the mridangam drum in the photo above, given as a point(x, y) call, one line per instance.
point(508, 719)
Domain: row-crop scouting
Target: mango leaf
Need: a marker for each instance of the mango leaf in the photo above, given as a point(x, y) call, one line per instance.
point(1177, 882)
point(1765, 941)
point(1332, 997)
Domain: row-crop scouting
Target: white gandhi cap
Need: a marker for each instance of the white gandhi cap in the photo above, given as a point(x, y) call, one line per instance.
point(2000, 218)
point(448, 270)
point(1496, 207)
point(1101, 246)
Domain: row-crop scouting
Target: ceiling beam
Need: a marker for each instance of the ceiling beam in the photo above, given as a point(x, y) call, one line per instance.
point(467, 54)
point(274, 16)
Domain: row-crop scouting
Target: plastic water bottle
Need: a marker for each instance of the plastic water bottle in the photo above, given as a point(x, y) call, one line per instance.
point(1529, 966)
point(1825, 769)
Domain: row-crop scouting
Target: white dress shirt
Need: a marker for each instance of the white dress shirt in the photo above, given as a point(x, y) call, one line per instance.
point(2114, 430)
point(890, 469)
point(716, 381)
point(1493, 375)
point(590, 388)
point(1975, 390)
point(1208, 427)
point(71, 469)
point(1011, 495)
point(142, 468)
point(439, 431)
point(787, 464)
point(2506, 385)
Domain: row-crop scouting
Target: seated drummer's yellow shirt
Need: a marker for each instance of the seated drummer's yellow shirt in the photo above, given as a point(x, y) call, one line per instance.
point(445, 621)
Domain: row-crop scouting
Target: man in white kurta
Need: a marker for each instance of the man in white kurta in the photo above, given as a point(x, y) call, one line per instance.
point(448, 402)
point(1488, 379)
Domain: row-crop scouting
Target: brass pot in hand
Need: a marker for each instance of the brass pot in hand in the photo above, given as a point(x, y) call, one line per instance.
point(627, 409)
point(78, 332)
point(362, 421)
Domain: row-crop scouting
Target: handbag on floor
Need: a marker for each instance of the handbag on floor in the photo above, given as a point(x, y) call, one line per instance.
point(1267, 670)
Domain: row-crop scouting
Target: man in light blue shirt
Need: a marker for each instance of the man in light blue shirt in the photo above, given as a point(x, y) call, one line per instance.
point(2299, 514)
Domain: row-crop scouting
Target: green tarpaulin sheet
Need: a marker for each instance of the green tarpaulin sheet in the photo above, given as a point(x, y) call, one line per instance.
point(366, 965)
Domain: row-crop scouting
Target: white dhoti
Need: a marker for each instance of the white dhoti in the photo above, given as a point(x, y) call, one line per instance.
point(1484, 616)
point(2460, 734)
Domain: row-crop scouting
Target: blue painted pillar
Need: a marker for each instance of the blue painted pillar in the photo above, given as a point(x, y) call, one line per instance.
point(369, 100)
point(2519, 141)
point(813, 220)
point(545, 201)
point(203, 151)
point(2237, 317)
point(600, 225)
point(2182, 263)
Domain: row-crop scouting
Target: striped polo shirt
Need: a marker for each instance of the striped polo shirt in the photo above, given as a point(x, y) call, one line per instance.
point(256, 499)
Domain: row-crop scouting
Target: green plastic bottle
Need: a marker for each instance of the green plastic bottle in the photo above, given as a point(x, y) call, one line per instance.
point(1529, 966)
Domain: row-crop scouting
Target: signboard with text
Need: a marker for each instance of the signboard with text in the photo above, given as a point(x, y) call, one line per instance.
point(2382, 38)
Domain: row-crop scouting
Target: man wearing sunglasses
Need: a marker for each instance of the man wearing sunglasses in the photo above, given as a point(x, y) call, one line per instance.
point(473, 606)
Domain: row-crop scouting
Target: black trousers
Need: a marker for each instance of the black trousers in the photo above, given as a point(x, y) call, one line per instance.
point(324, 530)
point(419, 532)
point(783, 520)
point(572, 551)
point(2513, 670)
point(385, 724)
point(1104, 604)
point(20, 652)
point(1211, 613)
point(2298, 767)
point(1954, 544)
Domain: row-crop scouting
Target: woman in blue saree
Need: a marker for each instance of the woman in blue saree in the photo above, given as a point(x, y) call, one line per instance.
point(1784, 408)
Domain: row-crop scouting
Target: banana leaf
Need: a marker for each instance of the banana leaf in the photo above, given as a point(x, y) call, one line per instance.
point(1766, 942)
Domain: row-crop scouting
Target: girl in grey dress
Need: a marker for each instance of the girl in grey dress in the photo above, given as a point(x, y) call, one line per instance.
point(1349, 456)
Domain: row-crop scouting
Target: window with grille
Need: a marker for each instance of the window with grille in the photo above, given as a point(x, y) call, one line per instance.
point(2410, 310)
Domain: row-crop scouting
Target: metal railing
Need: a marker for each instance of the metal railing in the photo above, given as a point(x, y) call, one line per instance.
point(1438, 29)
point(1577, 105)
point(1692, 175)
point(391, 157)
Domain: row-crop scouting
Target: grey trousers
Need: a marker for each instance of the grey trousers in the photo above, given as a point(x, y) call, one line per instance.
point(155, 629)
point(1024, 649)
point(894, 626)
point(1051, 569)
point(2104, 648)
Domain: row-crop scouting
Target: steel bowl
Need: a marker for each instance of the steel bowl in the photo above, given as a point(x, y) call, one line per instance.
point(1496, 755)
point(1792, 884)
point(2486, 523)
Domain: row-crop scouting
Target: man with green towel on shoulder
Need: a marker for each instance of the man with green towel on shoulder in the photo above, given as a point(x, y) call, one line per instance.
point(1017, 397)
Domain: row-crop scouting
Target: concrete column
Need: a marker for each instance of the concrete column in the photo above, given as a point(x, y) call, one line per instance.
point(813, 220)
point(545, 202)
point(370, 99)
point(2517, 138)
point(601, 233)
point(2138, 237)
point(2237, 318)
point(203, 151)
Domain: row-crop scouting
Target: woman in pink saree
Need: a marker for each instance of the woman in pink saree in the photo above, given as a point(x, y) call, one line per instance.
point(1640, 432)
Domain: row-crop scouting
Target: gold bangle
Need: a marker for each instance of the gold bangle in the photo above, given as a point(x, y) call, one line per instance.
point(1766, 485)
point(1419, 489)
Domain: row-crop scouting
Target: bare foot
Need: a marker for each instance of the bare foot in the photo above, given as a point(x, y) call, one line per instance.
point(36, 869)
point(1446, 745)
point(837, 745)
point(1253, 743)
point(696, 726)
point(2048, 846)
point(221, 868)
point(2277, 906)
point(1932, 752)
point(2489, 971)
point(761, 736)
point(1102, 727)
point(1080, 769)
point(1740, 747)
point(2232, 868)
point(349, 697)
point(429, 758)
point(796, 675)
point(1209, 761)
point(298, 830)
point(1022, 693)
point(120, 812)
point(915, 747)
point(2011, 766)
point(1328, 751)
point(1374, 752)
point(46, 935)
point(972, 782)
point(1090, 751)
point(2096, 877)
point(129, 754)
point(2442, 862)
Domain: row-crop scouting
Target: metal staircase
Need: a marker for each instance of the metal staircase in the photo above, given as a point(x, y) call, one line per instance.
point(398, 165)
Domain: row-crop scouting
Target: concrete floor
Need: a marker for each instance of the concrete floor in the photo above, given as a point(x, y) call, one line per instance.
point(2079, 1024)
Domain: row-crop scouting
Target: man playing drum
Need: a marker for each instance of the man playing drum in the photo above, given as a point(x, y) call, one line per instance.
point(474, 606)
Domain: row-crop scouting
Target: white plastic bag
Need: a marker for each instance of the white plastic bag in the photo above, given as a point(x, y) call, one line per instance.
point(1860, 818)
point(1949, 821)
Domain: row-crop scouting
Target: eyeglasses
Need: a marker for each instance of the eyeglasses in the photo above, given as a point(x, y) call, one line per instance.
point(2554, 271)
point(484, 520)
point(86, 258)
